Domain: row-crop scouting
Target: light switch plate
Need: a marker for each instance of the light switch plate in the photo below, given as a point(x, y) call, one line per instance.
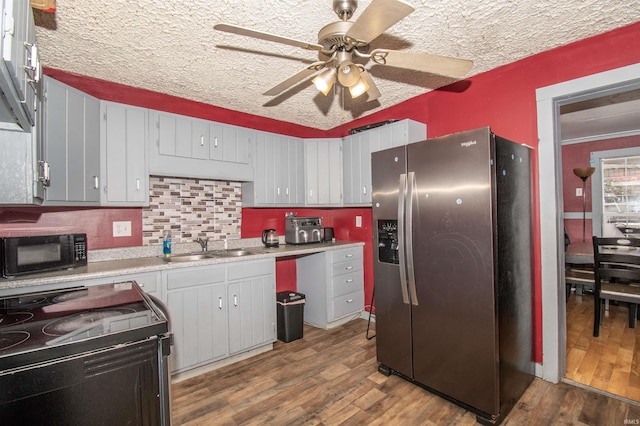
point(122, 228)
point(578, 192)
point(358, 221)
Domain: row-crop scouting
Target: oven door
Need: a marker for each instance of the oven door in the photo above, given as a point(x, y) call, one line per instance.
point(114, 386)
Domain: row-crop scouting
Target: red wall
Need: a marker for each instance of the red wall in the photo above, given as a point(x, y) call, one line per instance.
point(96, 223)
point(503, 98)
point(578, 155)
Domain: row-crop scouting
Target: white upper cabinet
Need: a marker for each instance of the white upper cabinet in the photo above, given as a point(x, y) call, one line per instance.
point(323, 161)
point(123, 152)
point(71, 145)
point(357, 151)
point(191, 147)
point(279, 172)
point(19, 68)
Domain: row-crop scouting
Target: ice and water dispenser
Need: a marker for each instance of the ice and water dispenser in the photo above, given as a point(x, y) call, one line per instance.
point(388, 241)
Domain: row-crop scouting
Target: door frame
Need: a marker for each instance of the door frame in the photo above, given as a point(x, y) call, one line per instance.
point(549, 99)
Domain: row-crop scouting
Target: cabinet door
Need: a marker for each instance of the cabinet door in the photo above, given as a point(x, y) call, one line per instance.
point(123, 152)
point(71, 144)
point(295, 171)
point(324, 171)
point(252, 319)
point(199, 322)
point(199, 139)
point(18, 35)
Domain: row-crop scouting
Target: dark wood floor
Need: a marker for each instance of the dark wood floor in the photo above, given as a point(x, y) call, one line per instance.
point(330, 378)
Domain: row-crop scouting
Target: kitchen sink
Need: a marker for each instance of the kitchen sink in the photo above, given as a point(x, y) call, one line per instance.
point(232, 252)
point(189, 257)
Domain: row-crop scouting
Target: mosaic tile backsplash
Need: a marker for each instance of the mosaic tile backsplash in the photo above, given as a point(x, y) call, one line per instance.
point(191, 208)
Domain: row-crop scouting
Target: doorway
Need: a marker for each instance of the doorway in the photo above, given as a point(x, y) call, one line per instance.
point(549, 100)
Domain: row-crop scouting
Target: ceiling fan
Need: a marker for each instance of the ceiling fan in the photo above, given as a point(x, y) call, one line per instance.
point(343, 41)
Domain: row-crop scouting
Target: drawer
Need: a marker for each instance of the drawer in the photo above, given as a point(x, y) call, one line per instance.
point(150, 283)
point(195, 276)
point(242, 270)
point(347, 304)
point(346, 267)
point(343, 255)
point(347, 283)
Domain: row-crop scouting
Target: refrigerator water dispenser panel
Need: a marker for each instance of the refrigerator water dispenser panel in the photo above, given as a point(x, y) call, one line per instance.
point(388, 241)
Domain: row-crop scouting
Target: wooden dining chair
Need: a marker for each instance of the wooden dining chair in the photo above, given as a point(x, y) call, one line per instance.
point(617, 275)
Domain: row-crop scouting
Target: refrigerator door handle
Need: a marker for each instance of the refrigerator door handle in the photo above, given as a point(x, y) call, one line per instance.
point(402, 191)
point(411, 187)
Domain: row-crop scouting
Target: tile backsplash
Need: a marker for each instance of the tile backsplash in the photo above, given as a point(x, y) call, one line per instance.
point(191, 208)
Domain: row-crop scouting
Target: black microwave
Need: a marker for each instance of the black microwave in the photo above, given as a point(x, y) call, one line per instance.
point(37, 253)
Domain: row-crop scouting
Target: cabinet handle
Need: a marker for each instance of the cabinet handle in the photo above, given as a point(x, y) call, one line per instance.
point(286, 191)
point(96, 182)
point(45, 173)
point(349, 300)
point(310, 192)
point(235, 300)
point(278, 190)
point(348, 268)
point(138, 184)
point(364, 190)
point(348, 255)
point(219, 302)
point(201, 140)
point(215, 142)
point(349, 281)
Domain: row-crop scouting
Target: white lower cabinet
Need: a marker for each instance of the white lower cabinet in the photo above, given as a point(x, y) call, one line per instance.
point(220, 310)
point(333, 285)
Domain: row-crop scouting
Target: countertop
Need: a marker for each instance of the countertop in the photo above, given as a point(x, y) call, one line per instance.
point(126, 266)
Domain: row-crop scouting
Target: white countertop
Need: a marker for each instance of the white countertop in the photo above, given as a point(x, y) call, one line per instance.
point(126, 266)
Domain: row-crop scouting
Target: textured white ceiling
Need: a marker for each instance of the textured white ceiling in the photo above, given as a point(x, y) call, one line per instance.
point(170, 46)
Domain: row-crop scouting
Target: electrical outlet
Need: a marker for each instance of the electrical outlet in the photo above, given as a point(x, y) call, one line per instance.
point(578, 192)
point(122, 229)
point(358, 221)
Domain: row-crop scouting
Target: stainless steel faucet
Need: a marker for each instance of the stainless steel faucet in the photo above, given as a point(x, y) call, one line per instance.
point(203, 243)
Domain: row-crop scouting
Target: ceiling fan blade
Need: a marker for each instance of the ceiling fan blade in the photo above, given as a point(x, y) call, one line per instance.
point(434, 64)
point(379, 16)
point(234, 29)
point(296, 78)
point(373, 93)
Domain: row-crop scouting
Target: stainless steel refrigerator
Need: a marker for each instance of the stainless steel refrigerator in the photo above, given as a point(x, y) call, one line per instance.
point(452, 270)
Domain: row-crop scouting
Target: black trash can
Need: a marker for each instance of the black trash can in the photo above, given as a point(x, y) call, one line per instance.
point(290, 315)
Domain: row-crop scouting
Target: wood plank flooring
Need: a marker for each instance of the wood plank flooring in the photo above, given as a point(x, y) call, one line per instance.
point(331, 378)
point(610, 362)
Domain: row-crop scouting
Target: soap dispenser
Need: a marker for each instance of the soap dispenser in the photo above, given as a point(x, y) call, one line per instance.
point(166, 244)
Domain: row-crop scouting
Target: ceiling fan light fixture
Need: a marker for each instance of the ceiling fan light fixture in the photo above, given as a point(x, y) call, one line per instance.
point(348, 74)
point(359, 88)
point(325, 80)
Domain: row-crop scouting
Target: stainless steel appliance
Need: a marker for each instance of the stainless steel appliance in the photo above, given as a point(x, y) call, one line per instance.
point(452, 268)
point(36, 253)
point(302, 230)
point(270, 238)
point(84, 355)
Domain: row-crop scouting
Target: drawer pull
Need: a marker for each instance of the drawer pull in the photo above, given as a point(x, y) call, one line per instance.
point(348, 255)
point(348, 268)
point(219, 302)
point(235, 300)
point(349, 281)
point(349, 300)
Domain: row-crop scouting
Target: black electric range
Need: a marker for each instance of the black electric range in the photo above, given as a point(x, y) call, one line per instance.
point(41, 326)
point(103, 347)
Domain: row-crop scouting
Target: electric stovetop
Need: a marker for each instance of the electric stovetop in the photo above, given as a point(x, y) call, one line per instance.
point(38, 327)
